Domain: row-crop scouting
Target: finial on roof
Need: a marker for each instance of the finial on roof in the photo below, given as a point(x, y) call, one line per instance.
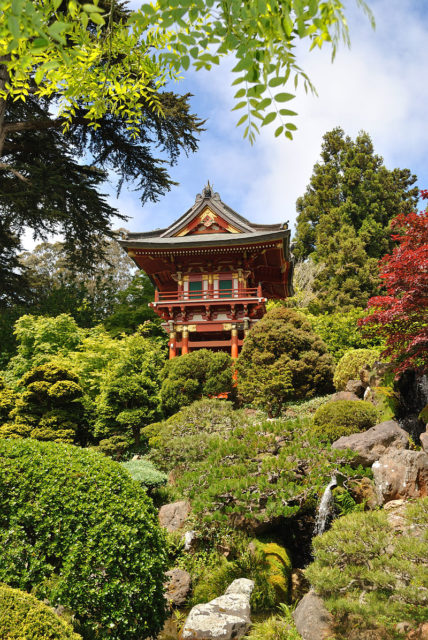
point(207, 191)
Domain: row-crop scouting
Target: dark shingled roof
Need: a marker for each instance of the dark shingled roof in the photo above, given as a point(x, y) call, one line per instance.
point(249, 231)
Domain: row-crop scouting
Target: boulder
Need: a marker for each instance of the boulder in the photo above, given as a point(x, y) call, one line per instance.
point(401, 474)
point(370, 445)
point(224, 618)
point(299, 585)
point(343, 395)
point(421, 633)
point(356, 387)
point(312, 619)
point(424, 441)
point(177, 586)
point(173, 516)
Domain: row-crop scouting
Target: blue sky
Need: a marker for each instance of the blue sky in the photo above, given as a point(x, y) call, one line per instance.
point(379, 85)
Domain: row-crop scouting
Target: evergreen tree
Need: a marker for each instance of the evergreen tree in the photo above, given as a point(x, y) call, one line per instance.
point(343, 218)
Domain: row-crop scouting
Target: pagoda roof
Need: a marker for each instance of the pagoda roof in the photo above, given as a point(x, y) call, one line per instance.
point(236, 229)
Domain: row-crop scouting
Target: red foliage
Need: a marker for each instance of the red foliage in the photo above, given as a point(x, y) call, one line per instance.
point(401, 316)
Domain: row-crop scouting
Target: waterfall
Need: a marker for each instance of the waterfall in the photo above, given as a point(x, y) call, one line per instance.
point(324, 510)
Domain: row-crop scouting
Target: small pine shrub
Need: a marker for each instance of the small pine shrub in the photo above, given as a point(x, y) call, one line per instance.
point(23, 617)
point(354, 415)
point(350, 365)
point(145, 472)
point(331, 432)
point(368, 575)
point(78, 531)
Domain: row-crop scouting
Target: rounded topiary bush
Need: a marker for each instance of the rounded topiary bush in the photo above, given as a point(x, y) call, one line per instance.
point(343, 417)
point(194, 375)
point(350, 365)
point(23, 617)
point(77, 530)
point(297, 359)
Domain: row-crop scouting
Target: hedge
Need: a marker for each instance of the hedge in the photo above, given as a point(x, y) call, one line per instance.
point(76, 530)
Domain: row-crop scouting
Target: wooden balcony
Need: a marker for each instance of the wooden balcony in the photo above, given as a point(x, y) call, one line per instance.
point(251, 294)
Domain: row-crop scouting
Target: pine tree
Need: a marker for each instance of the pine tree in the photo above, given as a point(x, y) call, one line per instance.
point(343, 218)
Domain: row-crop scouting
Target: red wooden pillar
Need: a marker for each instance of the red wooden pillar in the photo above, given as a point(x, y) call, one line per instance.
point(172, 345)
point(234, 342)
point(185, 342)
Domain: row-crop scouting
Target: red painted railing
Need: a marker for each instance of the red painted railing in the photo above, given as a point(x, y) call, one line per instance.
point(210, 294)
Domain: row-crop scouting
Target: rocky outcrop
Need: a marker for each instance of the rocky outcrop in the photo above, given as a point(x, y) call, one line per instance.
point(177, 586)
point(421, 633)
point(312, 619)
point(173, 516)
point(370, 445)
point(357, 387)
point(424, 441)
point(224, 618)
point(343, 395)
point(401, 475)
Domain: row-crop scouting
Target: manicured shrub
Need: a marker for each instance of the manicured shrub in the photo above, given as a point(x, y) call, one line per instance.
point(238, 469)
point(49, 408)
point(77, 530)
point(284, 342)
point(331, 432)
point(349, 415)
point(7, 401)
point(194, 375)
point(350, 365)
point(23, 617)
point(145, 473)
point(371, 576)
point(185, 438)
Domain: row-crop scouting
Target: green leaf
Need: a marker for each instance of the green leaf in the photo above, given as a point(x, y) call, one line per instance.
point(56, 30)
point(289, 135)
point(240, 93)
point(13, 25)
point(287, 112)
point(284, 97)
point(16, 7)
point(269, 118)
point(242, 120)
point(185, 62)
point(95, 17)
point(91, 8)
point(56, 4)
point(275, 82)
point(290, 126)
point(39, 43)
point(279, 131)
point(240, 105)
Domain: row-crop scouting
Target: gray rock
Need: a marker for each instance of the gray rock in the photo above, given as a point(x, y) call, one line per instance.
point(312, 619)
point(224, 618)
point(401, 475)
point(370, 445)
point(356, 386)
point(424, 441)
point(173, 516)
point(343, 395)
point(177, 586)
point(189, 540)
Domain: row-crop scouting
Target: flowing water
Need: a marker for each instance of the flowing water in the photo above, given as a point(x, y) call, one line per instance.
point(325, 508)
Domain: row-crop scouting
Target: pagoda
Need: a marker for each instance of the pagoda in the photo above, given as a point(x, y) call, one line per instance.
point(213, 272)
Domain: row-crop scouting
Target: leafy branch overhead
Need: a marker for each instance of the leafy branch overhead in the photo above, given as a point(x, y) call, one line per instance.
point(81, 53)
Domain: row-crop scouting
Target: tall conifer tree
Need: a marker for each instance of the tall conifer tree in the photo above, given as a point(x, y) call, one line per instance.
point(344, 217)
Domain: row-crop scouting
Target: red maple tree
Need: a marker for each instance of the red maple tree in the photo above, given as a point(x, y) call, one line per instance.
point(401, 316)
